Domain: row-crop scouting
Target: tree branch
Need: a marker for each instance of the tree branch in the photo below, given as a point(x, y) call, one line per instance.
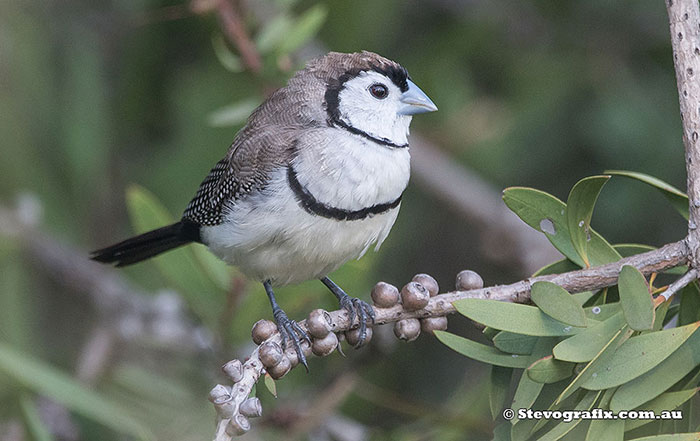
point(684, 23)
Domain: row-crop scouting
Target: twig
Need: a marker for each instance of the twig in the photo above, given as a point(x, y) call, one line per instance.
point(680, 283)
point(233, 26)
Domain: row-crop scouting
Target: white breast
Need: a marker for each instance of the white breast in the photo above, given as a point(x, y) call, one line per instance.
point(268, 235)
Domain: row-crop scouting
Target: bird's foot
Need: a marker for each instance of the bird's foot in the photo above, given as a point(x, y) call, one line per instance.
point(291, 331)
point(360, 309)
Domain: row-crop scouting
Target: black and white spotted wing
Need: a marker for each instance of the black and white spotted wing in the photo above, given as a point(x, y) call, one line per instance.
point(207, 205)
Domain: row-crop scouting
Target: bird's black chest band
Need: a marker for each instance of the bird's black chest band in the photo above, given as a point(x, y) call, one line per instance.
point(311, 205)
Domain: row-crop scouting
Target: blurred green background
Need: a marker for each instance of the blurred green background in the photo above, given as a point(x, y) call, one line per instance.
point(103, 98)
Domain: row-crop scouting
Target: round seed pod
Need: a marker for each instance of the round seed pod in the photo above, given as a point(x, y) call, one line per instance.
point(319, 323)
point(220, 394)
point(251, 407)
point(407, 329)
point(326, 345)
point(280, 369)
point(270, 354)
point(385, 295)
point(467, 280)
point(262, 330)
point(431, 324)
point(428, 282)
point(238, 425)
point(234, 370)
point(353, 337)
point(291, 352)
point(414, 296)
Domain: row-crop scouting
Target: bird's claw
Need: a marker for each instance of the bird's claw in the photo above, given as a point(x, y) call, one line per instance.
point(361, 309)
point(290, 330)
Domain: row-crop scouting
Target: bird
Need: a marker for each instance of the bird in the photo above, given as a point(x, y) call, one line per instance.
point(313, 180)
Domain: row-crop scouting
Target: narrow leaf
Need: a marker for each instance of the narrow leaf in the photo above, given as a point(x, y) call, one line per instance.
point(557, 303)
point(514, 343)
point(601, 358)
point(305, 28)
point(584, 346)
point(547, 214)
point(606, 430)
point(179, 266)
point(689, 311)
point(563, 428)
point(46, 380)
point(528, 390)
point(671, 437)
point(498, 389)
point(579, 211)
point(660, 378)
point(678, 199)
point(549, 370)
point(270, 385)
point(664, 402)
point(513, 317)
point(635, 298)
point(638, 355)
point(558, 267)
point(37, 428)
point(481, 352)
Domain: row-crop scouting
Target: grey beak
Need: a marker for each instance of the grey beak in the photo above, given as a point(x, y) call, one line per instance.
point(415, 101)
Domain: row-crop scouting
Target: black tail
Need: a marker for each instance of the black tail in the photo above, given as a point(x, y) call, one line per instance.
point(149, 244)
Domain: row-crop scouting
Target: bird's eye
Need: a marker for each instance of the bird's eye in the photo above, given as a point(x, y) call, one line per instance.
point(379, 91)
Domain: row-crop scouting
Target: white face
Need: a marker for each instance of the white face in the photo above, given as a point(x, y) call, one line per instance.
point(365, 107)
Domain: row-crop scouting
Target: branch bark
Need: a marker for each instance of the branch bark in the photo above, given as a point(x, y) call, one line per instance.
point(684, 23)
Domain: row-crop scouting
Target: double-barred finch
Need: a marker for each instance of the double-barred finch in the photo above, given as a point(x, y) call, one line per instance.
point(313, 180)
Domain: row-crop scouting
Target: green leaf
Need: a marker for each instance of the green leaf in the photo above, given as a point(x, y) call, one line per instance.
point(635, 298)
point(502, 432)
point(273, 32)
point(37, 428)
point(480, 352)
point(638, 355)
point(582, 297)
point(689, 311)
point(602, 312)
point(584, 346)
point(528, 390)
point(557, 303)
point(233, 114)
point(228, 59)
point(579, 211)
point(606, 430)
point(678, 199)
point(271, 385)
point(660, 378)
point(46, 380)
point(601, 358)
point(514, 343)
point(632, 249)
point(667, 401)
point(513, 317)
point(549, 370)
point(558, 267)
point(547, 214)
point(179, 266)
point(561, 429)
point(498, 389)
point(304, 29)
point(671, 437)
